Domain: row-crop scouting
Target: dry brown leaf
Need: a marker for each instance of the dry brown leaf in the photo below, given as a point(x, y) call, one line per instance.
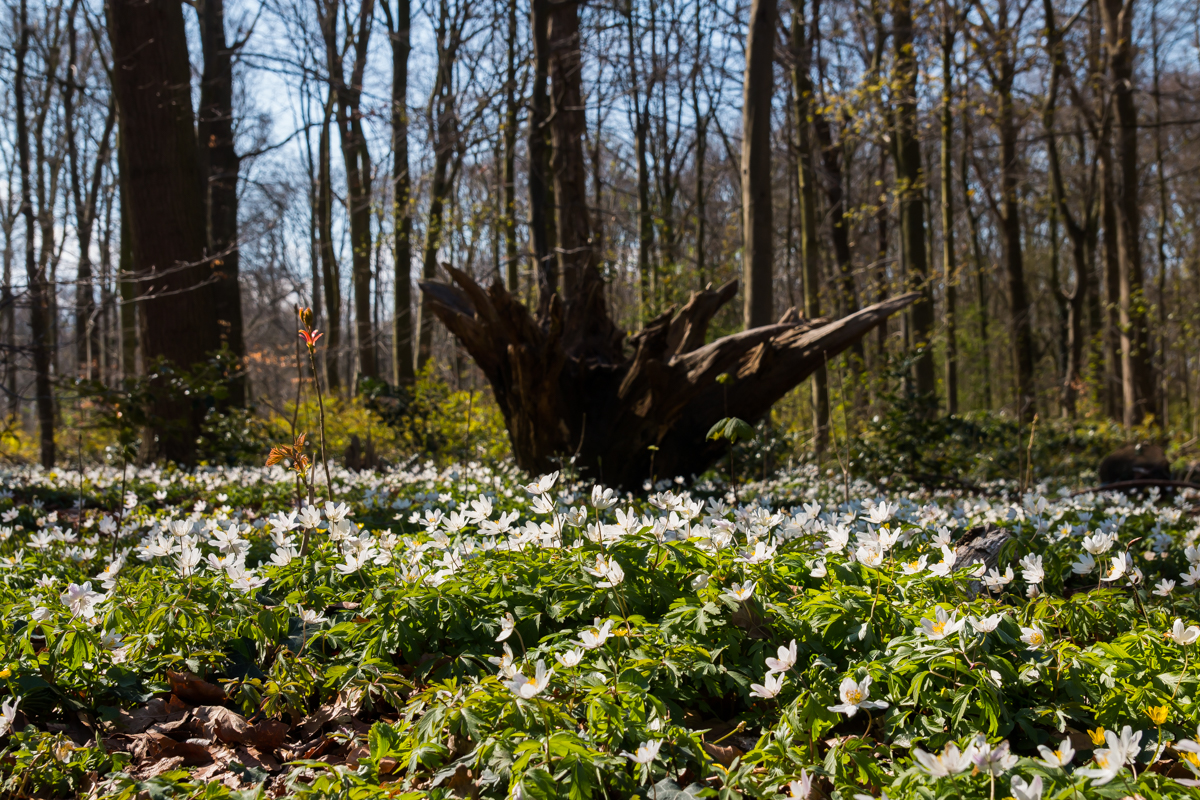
point(723, 754)
point(317, 720)
point(355, 754)
point(156, 711)
point(252, 757)
point(219, 768)
point(463, 783)
point(341, 709)
point(178, 729)
point(153, 769)
point(194, 689)
point(268, 734)
point(221, 723)
point(153, 746)
point(320, 749)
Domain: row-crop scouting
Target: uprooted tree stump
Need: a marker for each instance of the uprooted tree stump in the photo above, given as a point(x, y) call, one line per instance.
point(568, 385)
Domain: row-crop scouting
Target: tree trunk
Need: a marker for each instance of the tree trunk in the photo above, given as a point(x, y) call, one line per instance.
point(356, 159)
point(511, 262)
point(910, 188)
point(444, 136)
point(839, 225)
point(701, 157)
point(219, 164)
point(1082, 234)
point(1113, 367)
point(802, 90)
point(1164, 386)
point(126, 286)
point(647, 278)
point(545, 266)
point(1137, 377)
point(981, 273)
point(757, 226)
point(8, 328)
point(39, 306)
point(1003, 72)
point(330, 272)
point(559, 402)
point(949, 268)
point(166, 204)
point(586, 325)
point(402, 322)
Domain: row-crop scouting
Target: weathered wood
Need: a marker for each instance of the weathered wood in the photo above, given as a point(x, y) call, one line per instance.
point(560, 397)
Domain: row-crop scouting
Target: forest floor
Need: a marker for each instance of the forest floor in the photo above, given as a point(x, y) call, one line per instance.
point(463, 632)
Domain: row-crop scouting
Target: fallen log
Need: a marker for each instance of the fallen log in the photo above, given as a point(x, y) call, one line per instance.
point(628, 409)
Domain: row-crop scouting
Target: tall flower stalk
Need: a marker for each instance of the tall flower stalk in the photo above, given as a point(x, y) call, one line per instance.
point(310, 336)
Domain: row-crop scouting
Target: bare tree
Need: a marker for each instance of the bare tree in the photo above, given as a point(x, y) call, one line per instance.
point(757, 226)
point(163, 190)
point(339, 40)
point(219, 166)
point(399, 26)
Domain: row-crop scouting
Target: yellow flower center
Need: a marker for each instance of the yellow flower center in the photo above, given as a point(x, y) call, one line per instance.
point(913, 565)
point(1036, 638)
point(854, 696)
point(1102, 762)
point(939, 628)
point(1193, 758)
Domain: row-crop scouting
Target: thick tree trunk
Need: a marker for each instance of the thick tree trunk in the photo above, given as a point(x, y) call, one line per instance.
point(1137, 377)
point(910, 188)
point(545, 266)
point(1082, 234)
point(220, 163)
point(35, 276)
point(1002, 70)
point(166, 203)
point(586, 325)
point(402, 322)
point(356, 159)
point(757, 226)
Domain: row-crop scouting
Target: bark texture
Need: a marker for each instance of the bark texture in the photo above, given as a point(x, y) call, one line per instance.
point(757, 230)
point(220, 163)
point(163, 189)
point(561, 399)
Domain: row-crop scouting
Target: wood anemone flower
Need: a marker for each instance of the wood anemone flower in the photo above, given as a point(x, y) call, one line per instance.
point(310, 338)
